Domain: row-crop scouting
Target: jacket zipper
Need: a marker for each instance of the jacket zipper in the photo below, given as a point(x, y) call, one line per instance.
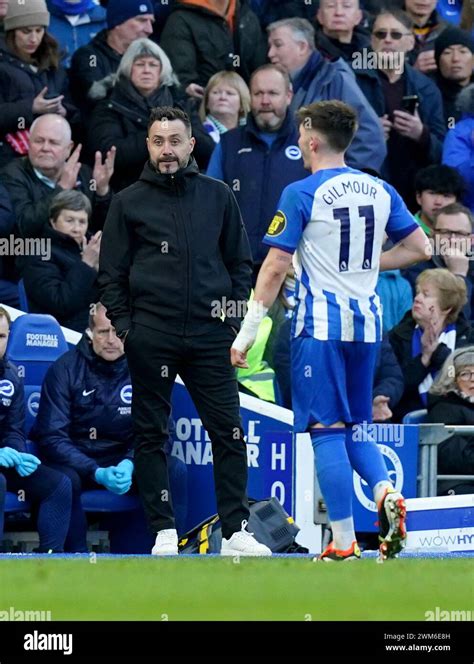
point(188, 270)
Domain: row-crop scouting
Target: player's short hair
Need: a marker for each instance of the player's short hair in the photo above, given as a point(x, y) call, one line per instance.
point(452, 291)
point(334, 119)
point(301, 29)
point(441, 179)
point(454, 208)
point(4, 313)
point(69, 200)
point(170, 113)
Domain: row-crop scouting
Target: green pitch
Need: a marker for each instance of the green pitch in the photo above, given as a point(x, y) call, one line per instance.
point(221, 589)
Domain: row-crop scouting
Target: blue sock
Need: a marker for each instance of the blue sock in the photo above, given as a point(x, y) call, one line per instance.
point(53, 517)
point(365, 456)
point(334, 472)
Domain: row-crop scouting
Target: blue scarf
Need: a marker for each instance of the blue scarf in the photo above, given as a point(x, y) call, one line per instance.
point(448, 337)
point(75, 8)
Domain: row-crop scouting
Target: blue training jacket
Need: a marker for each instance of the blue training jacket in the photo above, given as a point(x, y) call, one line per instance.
point(84, 417)
point(257, 174)
point(12, 407)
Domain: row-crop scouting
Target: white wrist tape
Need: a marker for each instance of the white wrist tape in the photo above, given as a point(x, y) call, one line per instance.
point(256, 312)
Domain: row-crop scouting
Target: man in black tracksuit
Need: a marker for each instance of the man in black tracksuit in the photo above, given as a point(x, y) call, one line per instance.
point(175, 273)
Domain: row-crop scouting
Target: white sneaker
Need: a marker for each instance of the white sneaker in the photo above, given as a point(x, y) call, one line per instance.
point(166, 543)
point(243, 543)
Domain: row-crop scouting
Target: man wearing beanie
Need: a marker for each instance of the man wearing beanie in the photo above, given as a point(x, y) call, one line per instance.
point(454, 54)
point(127, 20)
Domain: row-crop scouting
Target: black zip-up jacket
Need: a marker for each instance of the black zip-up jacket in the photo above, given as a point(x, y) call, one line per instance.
point(173, 247)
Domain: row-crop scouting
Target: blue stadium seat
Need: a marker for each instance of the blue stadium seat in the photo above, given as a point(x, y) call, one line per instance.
point(13, 504)
point(416, 417)
point(100, 500)
point(35, 342)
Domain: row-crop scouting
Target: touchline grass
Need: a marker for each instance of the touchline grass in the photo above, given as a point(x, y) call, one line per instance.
point(222, 589)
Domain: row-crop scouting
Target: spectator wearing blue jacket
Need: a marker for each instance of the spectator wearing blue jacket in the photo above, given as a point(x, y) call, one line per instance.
point(415, 135)
point(388, 380)
point(75, 23)
point(84, 425)
point(48, 489)
point(458, 148)
point(291, 45)
point(266, 147)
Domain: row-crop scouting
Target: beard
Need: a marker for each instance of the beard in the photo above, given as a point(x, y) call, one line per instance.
point(170, 166)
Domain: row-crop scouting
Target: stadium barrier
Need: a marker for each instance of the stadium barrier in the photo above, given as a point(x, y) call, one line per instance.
point(281, 465)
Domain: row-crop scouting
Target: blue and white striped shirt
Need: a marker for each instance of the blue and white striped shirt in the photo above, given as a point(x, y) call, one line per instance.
point(334, 223)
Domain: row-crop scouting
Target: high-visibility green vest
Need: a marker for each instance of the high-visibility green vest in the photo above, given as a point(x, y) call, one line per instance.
point(259, 376)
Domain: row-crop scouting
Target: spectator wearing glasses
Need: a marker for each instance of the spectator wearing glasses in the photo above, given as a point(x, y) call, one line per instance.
point(406, 101)
point(452, 247)
point(451, 401)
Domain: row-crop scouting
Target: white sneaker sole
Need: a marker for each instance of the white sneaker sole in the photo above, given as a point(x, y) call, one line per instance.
point(164, 553)
point(234, 552)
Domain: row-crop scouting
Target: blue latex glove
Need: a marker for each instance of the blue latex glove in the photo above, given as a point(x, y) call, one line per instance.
point(9, 457)
point(29, 463)
point(112, 480)
point(125, 468)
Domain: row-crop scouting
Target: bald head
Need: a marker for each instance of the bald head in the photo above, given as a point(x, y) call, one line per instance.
point(56, 123)
point(50, 144)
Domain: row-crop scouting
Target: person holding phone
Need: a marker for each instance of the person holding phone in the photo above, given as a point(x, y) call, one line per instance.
point(407, 102)
point(32, 82)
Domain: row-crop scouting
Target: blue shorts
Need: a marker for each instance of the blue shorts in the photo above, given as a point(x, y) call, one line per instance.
point(331, 381)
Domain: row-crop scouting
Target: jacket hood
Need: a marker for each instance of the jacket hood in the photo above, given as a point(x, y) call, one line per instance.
point(207, 5)
point(98, 364)
point(178, 179)
point(101, 89)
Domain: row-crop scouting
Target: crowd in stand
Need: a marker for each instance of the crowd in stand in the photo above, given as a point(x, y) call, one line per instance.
point(77, 82)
